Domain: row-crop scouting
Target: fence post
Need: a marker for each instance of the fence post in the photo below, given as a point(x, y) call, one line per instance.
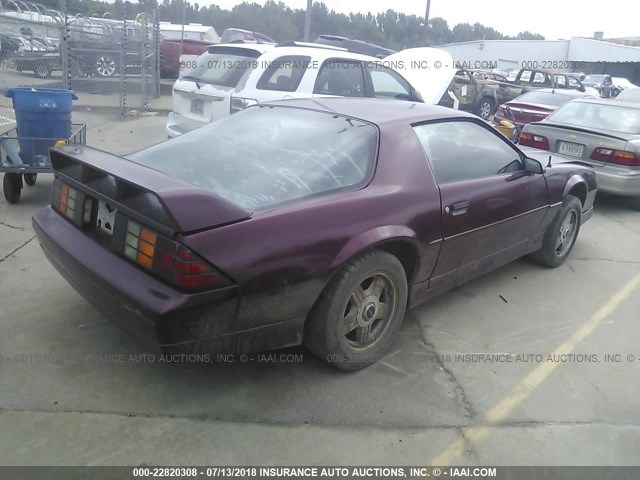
point(123, 63)
point(64, 47)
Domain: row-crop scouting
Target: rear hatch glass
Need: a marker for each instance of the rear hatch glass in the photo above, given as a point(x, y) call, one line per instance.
point(222, 66)
point(265, 156)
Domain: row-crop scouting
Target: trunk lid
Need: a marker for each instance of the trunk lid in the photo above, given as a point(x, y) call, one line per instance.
point(577, 143)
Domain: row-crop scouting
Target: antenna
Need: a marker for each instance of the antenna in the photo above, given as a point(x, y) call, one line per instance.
point(549, 164)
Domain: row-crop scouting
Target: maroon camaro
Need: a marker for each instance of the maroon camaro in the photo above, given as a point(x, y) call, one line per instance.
point(314, 222)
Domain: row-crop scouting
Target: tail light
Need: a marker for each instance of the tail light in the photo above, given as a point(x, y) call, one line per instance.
point(64, 199)
point(71, 203)
point(238, 103)
point(500, 111)
point(165, 258)
point(619, 157)
point(169, 260)
point(535, 141)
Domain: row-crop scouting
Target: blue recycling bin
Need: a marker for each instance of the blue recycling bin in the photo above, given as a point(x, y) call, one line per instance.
point(43, 116)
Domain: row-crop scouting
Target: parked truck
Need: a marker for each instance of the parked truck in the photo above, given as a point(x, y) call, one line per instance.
point(481, 92)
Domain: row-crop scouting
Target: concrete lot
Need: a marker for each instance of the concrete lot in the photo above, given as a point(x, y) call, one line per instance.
point(75, 390)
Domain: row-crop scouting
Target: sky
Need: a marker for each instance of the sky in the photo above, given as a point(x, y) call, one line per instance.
point(555, 19)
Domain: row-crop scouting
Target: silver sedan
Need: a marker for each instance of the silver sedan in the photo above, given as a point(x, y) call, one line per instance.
point(602, 133)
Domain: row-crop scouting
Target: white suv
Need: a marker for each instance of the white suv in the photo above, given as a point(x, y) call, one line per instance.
point(202, 94)
point(300, 70)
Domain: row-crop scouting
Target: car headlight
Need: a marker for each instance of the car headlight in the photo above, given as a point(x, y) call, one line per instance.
point(238, 103)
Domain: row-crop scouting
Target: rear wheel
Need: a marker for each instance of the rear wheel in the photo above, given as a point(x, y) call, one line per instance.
point(30, 178)
point(561, 234)
point(356, 316)
point(485, 108)
point(12, 187)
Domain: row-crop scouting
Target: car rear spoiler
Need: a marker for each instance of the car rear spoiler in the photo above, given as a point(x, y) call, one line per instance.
point(142, 192)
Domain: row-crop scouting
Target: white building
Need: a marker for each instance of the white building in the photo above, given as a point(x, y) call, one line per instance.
point(577, 55)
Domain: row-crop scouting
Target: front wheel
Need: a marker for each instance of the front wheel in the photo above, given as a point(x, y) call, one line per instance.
point(354, 319)
point(561, 234)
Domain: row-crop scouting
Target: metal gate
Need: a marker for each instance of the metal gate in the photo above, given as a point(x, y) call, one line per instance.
point(108, 63)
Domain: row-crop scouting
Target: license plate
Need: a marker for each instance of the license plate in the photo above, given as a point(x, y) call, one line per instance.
point(106, 218)
point(571, 149)
point(197, 106)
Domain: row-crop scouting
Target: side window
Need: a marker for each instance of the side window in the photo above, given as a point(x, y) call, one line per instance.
point(340, 77)
point(388, 83)
point(561, 81)
point(541, 79)
point(525, 76)
point(284, 74)
point(462, 150)
point(573, 82)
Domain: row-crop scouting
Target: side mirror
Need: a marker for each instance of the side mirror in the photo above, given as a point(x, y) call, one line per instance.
point(533, 166)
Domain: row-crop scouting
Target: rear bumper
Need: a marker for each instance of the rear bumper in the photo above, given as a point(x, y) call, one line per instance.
point(153, 312)
point(618, 181)
point(177, 125)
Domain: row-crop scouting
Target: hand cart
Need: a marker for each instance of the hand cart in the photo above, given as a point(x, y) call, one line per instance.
point(18, 169)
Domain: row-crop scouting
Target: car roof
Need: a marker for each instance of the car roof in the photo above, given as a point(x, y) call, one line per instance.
point(319, 52)
point(375, 110)
point(258, 47)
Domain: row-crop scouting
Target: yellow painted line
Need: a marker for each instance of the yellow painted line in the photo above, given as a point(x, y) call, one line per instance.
point(523, 390)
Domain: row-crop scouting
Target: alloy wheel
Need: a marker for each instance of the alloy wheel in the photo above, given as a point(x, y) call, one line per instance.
point(368, 310)
point(567, 233)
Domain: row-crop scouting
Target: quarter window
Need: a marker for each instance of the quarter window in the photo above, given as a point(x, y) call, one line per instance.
point(463, 150)
point(284, 74)
point(388, 84)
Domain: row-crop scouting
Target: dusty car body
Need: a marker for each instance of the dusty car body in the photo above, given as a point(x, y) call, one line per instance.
point(479, 92)
point(318, 225)
point(603, 133)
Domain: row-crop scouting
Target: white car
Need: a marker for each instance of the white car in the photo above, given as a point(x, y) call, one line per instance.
point(301, 70)
point(202, 94)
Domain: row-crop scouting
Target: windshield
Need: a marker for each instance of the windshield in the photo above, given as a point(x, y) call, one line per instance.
point(594, 78)
point(224, 67)
point(265, 156)
point(614, 118)
point(544, 98)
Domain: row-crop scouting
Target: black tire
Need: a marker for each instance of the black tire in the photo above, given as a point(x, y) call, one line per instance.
point(12, 187)
point(326, 333)
point(485, 108)
point(42, 71)
point(554, 249)
point(30, 178)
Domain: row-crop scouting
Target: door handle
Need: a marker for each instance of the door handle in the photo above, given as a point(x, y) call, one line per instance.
point(460, 208)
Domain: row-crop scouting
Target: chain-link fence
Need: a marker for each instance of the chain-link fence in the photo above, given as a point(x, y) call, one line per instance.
point(108, 63)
